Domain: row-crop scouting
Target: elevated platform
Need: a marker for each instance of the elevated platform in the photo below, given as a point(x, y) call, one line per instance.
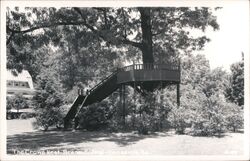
point(148, 72)
point(146, 76)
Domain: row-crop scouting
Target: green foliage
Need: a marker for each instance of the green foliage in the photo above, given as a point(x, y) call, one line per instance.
point(9, 103)
point(83, 31)
point(88, 42)
point(210, 118)
point(48, 100)
point(235, 91)
point(147, 113)
point(204, 108)
point(144, 123)
point(191, 103)
point(234, 118)
point(95, 116)
point(16, 102)
point(179, 119)
point(216, 82)
point(114, 125)
point(48, 117)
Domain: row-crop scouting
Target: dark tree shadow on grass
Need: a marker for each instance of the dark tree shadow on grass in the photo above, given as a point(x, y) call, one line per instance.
point(60, 139)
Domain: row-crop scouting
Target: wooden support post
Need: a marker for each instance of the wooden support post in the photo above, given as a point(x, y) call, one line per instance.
point(140, 85)
point(161, 103)
point(161, 95)
point(119, 111)
point(134, 107)
point(133, 71)
point(76, 123)
point(178, 94)
point(123, 105)
point(134, 97)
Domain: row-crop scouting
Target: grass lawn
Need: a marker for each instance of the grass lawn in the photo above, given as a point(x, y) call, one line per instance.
point(21, 137)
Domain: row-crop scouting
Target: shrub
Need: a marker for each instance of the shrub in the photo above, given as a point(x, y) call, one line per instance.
point(48, 100)
point(148, 113)
point(209, 119)
point(148, 123)
point(215, 116)
point(179, 119)
point(113, 125)
point(143, 124)
point(234, 119)
point(46, 118)
point(94, 117)
point(16, 102)
point(207, 127)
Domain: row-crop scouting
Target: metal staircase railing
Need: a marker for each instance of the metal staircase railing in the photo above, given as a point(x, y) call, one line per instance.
point(82, 104)
point(102, 81)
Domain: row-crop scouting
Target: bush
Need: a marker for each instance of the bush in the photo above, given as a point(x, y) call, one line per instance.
point(234, 119)
point(148, 113)
point(113, 125)
point(148, 123)
point(215, 116)
point(143, 124)
point(209, 119)
point(205, 114)
point(94, 117)
point(179, 119)
point(46, 118)
point(48, 100)
point(16, 102)
point(205, 127)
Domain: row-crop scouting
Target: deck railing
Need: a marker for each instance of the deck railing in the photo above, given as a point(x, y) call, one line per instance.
point(151, 66)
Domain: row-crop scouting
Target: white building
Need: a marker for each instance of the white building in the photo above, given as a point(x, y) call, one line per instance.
point(20, 84)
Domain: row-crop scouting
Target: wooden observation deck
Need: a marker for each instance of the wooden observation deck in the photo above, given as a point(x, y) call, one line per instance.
point(148, 72)
point(146, 76)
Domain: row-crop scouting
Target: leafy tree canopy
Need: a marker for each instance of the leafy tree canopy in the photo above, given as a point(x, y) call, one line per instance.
point(146, 34)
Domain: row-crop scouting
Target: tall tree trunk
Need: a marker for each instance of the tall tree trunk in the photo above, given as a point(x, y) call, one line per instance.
point(147, 43)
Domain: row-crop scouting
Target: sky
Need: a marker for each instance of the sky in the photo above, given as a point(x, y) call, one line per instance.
point(231, 40)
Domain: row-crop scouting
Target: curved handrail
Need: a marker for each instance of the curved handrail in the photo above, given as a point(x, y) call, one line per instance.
point(97, 85)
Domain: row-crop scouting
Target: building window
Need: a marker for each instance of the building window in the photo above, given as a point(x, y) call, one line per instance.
point(24, 84)
point(9, 83)
point(16, 84)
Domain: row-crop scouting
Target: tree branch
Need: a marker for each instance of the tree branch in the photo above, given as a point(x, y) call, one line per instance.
point(125, 41)
point(13, 32)
point(155, 34)
point(44, 26)
point(83, 22)
point(129, 42)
